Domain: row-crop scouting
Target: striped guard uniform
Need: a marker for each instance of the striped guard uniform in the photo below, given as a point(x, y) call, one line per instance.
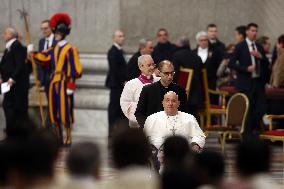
point(64, 62)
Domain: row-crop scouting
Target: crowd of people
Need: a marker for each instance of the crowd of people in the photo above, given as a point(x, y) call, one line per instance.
point(137, 90)
point(160, 133)
point(28, 160)
point(58, 67)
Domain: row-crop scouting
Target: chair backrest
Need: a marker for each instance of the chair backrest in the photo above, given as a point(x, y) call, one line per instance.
point(185, 79)
point(237, 110)
point(205, 89)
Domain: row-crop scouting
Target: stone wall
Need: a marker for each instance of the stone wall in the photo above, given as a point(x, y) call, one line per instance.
point(95, 20)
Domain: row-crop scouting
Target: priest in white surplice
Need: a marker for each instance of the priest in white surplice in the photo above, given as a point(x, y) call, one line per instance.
point(132, 89)
point(160, 125)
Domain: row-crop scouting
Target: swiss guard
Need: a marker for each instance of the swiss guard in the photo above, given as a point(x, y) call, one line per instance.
point(63, 60)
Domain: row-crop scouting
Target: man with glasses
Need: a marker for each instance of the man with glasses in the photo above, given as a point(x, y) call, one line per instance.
point(43, 74)
point(45, 42)
point(211, 59)
point(164, 49)
point(150, 100)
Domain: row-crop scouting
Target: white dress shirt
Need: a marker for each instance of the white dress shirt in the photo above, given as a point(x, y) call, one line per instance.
point(249, 42)
point(203, 54)
point(117, 46)
point(50, 41)
point(62, 43)
point(9, 43)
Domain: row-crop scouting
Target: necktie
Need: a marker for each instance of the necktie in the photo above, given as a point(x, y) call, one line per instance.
point(46, 44)
point(255, 60)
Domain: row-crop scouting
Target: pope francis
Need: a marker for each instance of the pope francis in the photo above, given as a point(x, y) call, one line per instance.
point(160, 125)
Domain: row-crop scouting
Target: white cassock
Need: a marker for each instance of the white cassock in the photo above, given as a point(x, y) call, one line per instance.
point(130, 97)
point(159, 126)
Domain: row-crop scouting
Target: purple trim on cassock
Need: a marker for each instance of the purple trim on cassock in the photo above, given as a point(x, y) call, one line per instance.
point(145, 80)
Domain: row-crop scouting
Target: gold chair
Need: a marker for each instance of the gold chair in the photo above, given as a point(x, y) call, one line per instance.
point(185, 78)
point(274, 134)
point(208, 109)
point(236, 115)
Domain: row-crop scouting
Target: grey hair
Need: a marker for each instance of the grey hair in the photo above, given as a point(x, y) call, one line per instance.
point(13, 31)
point(200, 34)
point(183, 41)
point(143, 42)
point(171, 92)
point(143, 57)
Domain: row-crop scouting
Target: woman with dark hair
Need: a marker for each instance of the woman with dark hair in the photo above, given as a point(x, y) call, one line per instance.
point(277, 76)
point(240, 33)
point(225, 76)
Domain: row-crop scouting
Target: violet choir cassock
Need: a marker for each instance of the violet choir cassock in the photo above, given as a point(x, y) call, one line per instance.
point(130, 97)
point(159, 126)
point(64, 62)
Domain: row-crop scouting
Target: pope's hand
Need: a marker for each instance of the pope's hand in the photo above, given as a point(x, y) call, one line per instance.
point(30, 48)
point(10, 82)
point(195, 148)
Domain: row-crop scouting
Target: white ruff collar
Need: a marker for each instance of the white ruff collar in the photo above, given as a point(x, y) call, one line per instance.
point(62, 43)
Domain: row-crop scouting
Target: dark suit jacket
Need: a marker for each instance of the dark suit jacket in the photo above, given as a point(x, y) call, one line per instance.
point(44, 74)
point(188, 59)
point(13, 63)
point(13, 66)
point(41, 44)
point(151, 97)
point(241, 60)
point(163, 52)
point(220, 46)
point(117, 68)
point(211, 64)
point(133, 70)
